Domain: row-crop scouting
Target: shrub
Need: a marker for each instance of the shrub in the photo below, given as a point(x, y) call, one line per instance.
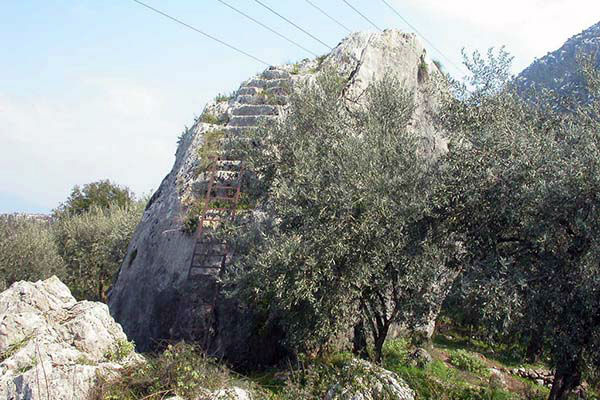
point(396, 352)
point(210, 147)
point(27, 251)
point(209, 118)
point(120, 351)
point(222, 98)
point(466, 361)
point(181, 370)
point(423, 70)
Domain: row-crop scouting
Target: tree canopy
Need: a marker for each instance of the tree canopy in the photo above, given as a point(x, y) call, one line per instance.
point(350, 242)
point(103, 194)
point(522, 189)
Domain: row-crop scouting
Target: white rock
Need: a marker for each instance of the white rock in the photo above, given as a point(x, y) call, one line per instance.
point(234, 393)
point(370, 382)
point(53, 346)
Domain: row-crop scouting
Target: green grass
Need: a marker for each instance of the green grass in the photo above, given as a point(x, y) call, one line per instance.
point(506, 354)
point(209, 118)
point(13, 348)
point(464, 376)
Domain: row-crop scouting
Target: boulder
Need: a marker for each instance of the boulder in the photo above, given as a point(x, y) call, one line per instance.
point(51, 346)
point(366, 381)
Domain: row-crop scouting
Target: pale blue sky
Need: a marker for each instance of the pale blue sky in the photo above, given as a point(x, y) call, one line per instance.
point(93, 89)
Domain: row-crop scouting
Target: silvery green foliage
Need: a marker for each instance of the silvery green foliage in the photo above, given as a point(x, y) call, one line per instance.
point(93, 245)
point(345, 234)
point(27, 250)
point(522, 187)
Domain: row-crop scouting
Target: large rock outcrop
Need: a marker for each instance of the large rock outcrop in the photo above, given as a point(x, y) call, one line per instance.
point(157, 296)
point(51, 346)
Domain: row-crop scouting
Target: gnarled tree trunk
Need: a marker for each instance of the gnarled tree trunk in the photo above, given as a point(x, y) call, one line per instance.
point(566, 378)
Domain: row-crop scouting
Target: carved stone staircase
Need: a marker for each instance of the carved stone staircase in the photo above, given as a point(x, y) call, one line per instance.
point(258, 101)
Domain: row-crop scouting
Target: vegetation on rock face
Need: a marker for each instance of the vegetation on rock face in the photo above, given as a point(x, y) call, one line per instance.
point(521, 190)
point(352, 242)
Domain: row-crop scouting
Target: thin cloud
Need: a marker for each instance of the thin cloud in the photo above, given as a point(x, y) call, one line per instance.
point(49, 145)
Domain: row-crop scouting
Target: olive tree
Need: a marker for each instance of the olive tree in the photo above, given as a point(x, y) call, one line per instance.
point(522, 188)
point(27, 250)
point(93, 245)
point(100, 194)
point(343, 236)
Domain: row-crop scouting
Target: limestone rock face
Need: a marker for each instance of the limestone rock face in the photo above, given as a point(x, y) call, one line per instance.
point(157, 295)
point(51, 346)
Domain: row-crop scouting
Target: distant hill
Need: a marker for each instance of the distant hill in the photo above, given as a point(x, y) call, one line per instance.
point(27, 216)
point(559, 70)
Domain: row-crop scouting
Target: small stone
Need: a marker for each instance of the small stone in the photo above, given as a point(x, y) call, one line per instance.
point(420, 358)
point(497, 378)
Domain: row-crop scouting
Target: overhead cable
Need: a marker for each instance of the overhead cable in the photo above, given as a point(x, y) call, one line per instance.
point(268, 28)
point(328, 16)
point(362, 15)
point(292, 23)
point(202, 33)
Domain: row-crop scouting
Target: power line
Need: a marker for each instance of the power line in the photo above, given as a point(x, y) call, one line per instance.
point(268, 28)
point(329, 16)
point(423, 37)
point(362, 15)
point(202, 33)
point(290, 22)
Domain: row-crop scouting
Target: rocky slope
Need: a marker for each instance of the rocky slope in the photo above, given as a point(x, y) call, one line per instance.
point(51, 346)
point(559, 70)
point(157, 295)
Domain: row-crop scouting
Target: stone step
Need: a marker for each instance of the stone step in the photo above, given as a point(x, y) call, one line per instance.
point(250, 99)
point(247, 90)
point(267, 83)
point(235, 131)
point(249, 120)
point(278, 91)
point(255, 109)
point(274, 99)
point(228, 164)
point(198, 272)
point(275, 74)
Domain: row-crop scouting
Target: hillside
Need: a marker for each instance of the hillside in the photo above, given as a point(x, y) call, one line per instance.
point(559, 71)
